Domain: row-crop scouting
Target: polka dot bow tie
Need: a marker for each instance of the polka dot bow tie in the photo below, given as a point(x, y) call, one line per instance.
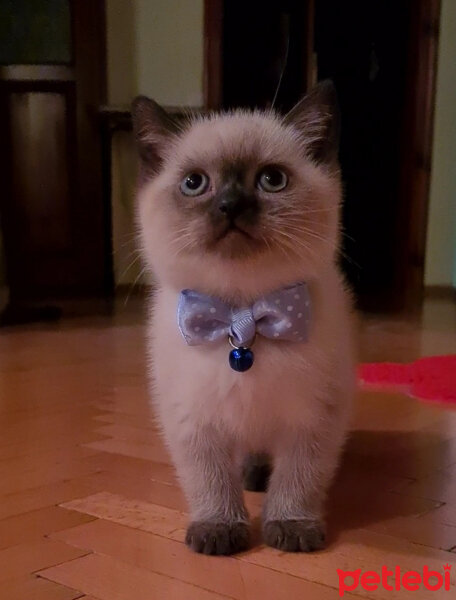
point(282, 315)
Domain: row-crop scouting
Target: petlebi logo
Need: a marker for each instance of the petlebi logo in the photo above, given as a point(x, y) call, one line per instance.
point(394, 579)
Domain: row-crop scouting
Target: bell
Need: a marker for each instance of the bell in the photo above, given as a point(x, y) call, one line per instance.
point(241, 359)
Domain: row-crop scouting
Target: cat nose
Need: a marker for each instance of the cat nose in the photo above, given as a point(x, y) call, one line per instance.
point(232, 204)
point(230, 207)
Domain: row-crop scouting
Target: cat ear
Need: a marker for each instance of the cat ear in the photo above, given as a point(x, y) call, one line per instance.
point(316, 118)
point(152, 127)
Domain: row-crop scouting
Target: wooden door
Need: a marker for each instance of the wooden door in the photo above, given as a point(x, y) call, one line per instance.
point(257, 53)
point(52, 83)
point(382, 57)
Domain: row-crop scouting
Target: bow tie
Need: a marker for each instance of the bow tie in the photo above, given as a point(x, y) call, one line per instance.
point(282, 315)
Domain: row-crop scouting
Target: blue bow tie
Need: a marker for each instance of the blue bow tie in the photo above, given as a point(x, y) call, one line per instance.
point(282, 315)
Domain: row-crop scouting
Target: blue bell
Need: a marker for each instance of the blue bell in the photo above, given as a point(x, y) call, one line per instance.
point(241, 359)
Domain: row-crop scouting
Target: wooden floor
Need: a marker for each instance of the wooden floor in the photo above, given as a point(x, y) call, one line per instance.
point(90, 507)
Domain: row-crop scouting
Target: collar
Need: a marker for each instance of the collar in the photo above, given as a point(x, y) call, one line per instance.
point(283, 314)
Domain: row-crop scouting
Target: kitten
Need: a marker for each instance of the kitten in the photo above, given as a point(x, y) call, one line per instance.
point(237, 206)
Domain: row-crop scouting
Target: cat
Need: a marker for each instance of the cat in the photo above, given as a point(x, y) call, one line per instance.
point(235, 206)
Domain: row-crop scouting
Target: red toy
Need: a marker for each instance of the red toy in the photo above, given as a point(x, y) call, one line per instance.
point(428, 378)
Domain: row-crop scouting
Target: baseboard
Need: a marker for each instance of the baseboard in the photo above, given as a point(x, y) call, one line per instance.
point(444, 292)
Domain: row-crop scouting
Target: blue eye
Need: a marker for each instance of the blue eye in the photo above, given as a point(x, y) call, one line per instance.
point(272, 179)
point(194, 184)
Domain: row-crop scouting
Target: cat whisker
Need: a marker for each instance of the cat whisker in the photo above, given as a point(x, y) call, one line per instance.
point(129, 266)
point(132, 286)
point(180, 236)
point(292, 241)
point(295, 241)
point(187, 245)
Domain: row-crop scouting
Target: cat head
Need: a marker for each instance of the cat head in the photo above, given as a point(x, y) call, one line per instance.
point(239, 202)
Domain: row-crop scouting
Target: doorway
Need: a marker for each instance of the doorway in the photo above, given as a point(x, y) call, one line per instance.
point(381, 55)
point(265, 53)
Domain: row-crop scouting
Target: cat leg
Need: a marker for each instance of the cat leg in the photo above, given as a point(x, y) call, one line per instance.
point(293, 512)
point(213, 487)
point(256, 470)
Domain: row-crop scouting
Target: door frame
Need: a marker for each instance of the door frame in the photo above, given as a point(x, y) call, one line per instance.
point(416, 150)
point(213, 54)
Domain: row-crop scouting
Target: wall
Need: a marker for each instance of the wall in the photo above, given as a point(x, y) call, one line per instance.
point(169, 38)
point(441, 236)
point(154, 47)
point(121, 51)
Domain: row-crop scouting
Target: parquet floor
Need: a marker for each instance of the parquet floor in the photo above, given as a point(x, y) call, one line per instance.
point(90, 508)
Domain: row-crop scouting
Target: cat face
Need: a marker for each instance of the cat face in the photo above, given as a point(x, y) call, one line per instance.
point(241, 188)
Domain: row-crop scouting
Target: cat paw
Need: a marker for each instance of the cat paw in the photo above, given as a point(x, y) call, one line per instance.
point(208, 537)
point(301, 535)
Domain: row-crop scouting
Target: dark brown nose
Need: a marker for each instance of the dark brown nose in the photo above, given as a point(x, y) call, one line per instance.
point(233, 203)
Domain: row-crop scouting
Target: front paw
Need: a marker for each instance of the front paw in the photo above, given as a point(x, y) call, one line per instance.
point(303, 535)
point(208, 537)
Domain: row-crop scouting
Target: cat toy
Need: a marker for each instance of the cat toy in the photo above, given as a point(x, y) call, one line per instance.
point(429, 378)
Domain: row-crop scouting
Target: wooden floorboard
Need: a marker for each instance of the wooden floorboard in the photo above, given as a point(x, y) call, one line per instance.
point(52, 494)
point(37, 523)
point(235, 577)
point(110, 579)
point(29, 557)
point(35, 588)
point(91, 509)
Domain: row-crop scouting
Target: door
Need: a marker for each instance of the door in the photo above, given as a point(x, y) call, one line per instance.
point(52, 83)
point(266, 52)
point(381, 55)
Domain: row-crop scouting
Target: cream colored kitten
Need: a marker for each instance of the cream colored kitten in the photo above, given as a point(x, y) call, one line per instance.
point(236, 206)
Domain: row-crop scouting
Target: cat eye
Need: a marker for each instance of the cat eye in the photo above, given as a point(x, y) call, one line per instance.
point(272, 179)
point(194, 184)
